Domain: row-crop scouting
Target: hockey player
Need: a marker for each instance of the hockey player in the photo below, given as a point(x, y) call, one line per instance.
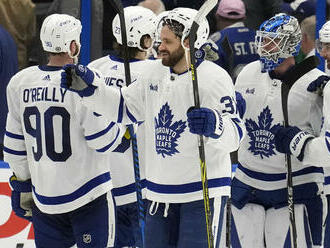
point(259, 190)
point(303, 144)
point(230, 15)
point(161, 97)
point(140, 29)
point(55, 146)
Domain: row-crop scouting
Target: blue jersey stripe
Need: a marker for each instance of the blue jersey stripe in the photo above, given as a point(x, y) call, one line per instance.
point(188, 187)
point(121, 108)
point(327, 135)
point(130, 116)
point(278, 176)
point(108, 146)
point(97, 135)
point(239, 129)
point(83, 190)
point(127, 189)
point(327, 180)
point(19, 153)
point(14, 136)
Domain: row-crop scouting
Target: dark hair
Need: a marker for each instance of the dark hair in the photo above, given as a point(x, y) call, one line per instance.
point(175, 26)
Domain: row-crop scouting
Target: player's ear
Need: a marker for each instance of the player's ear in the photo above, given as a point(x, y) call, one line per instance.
point(74, 48)
point(186, 43)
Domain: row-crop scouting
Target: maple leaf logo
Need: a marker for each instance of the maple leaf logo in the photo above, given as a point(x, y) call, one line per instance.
point(262, 134)
point(166, 133)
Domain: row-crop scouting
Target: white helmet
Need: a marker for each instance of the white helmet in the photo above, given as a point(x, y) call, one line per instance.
point(324, 36)
point(159, 24)
point(139, 22)
point(57, 33)
point(185, 17)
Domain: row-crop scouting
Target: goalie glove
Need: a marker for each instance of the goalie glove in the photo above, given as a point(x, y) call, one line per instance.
point(318, 85)
point(205, 121)
point(292, 140)
point(80, 79)
point(21, 197)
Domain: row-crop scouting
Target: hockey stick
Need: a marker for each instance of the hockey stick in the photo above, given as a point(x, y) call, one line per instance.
point(202, 13)
point(285, 88)
point(140, 205)
point(301, 69)
point(230, 55)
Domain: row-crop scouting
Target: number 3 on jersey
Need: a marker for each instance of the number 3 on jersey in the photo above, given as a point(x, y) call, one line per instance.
point(33, 127)
point(229, 105)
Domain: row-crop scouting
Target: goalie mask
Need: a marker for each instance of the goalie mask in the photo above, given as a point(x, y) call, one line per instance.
point(324, 37)
point(180, 21)
point(57, 33)
point(277, 39)
point(139, 22)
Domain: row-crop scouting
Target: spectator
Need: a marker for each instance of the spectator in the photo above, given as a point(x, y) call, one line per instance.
point(258, 11)
point(156, 6)
point(299, 9)
point(308, 36)
point(241, 49)
point(19, 19)
point(8, 67)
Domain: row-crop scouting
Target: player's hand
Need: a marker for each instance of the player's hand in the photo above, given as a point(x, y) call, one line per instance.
point(208, 51)
point(21, 197)
point(318, 85)
point(78, 78)
point(204, 121)
point(291, 140)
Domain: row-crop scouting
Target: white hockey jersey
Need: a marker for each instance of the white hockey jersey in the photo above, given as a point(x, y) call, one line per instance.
point(122, 168)
point(261, 166)
point(161, 98)
point(317, 151)
point(56, 141)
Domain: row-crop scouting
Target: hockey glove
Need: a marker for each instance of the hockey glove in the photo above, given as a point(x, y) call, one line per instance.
point(208, 51)
point(318, 85)
point(241, 104)
point(21, 197)
point(125, 142)
point(78, 78)
point(204, 121)
point(291, 140)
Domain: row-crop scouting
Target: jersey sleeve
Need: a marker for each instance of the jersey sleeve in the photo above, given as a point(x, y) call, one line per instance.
point(14, 146)
point(125, 105)
point(317, 151)
point(100, 134)
point(219, 94)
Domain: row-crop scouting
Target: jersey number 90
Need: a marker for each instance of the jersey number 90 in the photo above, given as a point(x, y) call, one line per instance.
point(35, 131)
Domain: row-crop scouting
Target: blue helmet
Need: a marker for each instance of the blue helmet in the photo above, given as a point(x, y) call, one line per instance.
point(277, 39)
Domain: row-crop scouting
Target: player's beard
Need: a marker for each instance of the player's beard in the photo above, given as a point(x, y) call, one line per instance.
point(173, 57)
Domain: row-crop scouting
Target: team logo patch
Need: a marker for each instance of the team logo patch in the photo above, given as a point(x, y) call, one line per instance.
point(166, 132)
point(87, 238)
point(198, 54)
point(262, 134)
point(153, 87)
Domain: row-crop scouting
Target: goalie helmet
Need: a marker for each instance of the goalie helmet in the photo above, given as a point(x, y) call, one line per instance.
point(57, 33)
point(139, 22)
point(185, 17)
point(324, 36)
point(277, 39)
